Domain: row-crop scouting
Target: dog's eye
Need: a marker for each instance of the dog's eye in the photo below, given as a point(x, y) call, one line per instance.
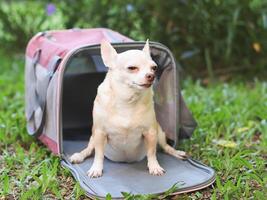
point(154, 68)
point(132, 68)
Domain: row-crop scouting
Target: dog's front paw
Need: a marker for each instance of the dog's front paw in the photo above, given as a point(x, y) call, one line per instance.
point(156, 170)
point(181, 154)
point(77, 158)
point(95, 172)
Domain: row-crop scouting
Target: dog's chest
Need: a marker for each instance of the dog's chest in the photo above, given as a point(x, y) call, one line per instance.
point(125, 130)
point(128, 122)
point(125, 144)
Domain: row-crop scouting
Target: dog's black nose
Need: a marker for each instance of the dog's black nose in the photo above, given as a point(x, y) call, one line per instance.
point(150, 77)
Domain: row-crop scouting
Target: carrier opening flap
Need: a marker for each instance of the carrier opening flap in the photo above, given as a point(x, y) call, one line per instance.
point(134, 178)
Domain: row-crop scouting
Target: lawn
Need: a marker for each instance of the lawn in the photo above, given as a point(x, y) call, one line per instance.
point(231, 137)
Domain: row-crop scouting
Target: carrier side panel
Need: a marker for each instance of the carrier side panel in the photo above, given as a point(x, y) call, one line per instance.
point(34, 78)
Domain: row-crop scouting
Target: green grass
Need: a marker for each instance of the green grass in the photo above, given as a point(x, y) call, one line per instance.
point(235, 112)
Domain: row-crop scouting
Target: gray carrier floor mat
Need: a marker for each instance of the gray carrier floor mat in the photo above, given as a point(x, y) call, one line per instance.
point(134, 177)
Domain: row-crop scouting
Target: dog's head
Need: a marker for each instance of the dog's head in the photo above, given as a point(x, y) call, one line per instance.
point(134, 68)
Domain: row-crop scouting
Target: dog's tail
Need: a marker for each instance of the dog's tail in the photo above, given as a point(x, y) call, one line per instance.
point(167, 148)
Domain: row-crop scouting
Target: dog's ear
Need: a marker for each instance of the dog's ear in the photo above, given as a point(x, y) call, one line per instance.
point(108, 53)
point(146, 48)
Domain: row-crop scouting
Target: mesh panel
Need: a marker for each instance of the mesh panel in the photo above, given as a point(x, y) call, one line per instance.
point(85, 71)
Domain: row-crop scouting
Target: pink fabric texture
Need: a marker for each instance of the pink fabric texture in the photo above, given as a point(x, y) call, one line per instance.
point(61, 42)
point(51, 144)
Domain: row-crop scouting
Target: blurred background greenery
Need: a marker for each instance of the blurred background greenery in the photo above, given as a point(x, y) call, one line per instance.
point(222, 42)
point(211, 38)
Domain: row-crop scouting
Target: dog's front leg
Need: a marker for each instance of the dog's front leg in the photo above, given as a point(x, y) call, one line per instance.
point(80, 156)
point(100, 140)
point(151, 145)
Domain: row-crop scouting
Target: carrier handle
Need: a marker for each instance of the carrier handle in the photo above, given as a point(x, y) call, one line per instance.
point(41, 88)
point(30, 118)
point(34, 62)
point(36, 57)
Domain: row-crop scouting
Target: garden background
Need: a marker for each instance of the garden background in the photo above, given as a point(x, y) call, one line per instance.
point(221, 46)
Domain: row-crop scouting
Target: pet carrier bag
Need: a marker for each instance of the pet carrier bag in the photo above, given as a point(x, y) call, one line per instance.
point(63, 70)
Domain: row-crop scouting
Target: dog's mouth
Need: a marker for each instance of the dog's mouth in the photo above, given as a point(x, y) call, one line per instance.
point(146, 85)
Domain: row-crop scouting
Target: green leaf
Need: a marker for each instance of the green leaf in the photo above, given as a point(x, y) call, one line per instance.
point(108, 196)
point(225, 143)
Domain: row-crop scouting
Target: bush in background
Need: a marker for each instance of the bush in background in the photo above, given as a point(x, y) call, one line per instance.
point(20, 20)
point(217, 35)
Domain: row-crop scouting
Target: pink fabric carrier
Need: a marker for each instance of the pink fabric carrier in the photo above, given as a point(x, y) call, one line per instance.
point(62, 72)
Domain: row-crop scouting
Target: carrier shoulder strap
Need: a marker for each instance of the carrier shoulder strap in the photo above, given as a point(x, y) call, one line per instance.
point(36, 119)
